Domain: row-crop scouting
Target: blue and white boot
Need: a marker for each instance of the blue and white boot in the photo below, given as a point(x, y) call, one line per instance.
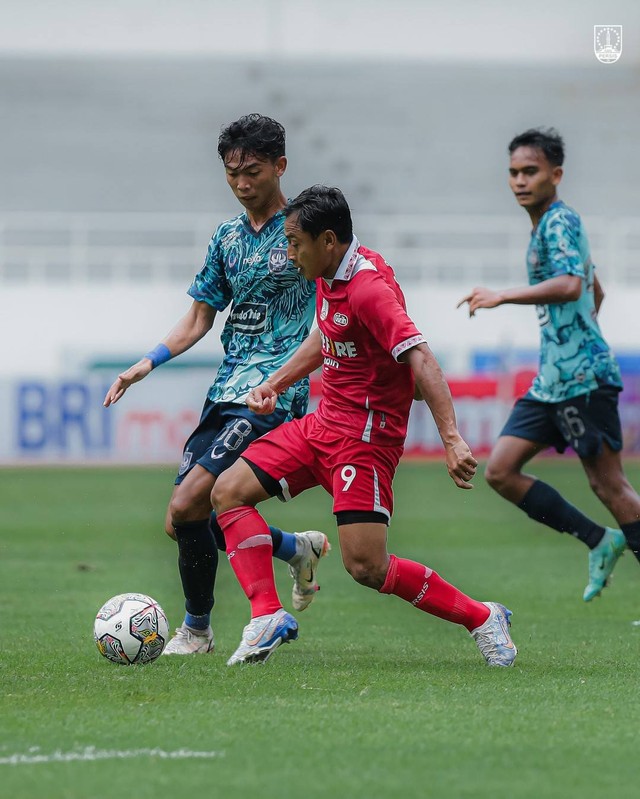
point(263, 635)
point(493, 637)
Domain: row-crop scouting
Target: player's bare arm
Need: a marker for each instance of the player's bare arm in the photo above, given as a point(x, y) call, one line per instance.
point(434, 389)
point(564, 288)
point(191, 328)
point(306, 359)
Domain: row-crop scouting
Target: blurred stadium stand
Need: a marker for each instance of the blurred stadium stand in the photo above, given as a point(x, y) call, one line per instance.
point(137, 247)
point(110, 172)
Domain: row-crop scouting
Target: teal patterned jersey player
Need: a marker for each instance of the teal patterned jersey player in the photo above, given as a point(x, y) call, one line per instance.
point(271, 310)
point(573, 401)
point(574, 357)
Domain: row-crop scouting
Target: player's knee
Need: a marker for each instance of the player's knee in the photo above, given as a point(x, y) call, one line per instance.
point(190, 503)
point(180, 510)
point(609, 491)
point(497, 475)
point(224, 494)
point(595, 484)
point(366, 572)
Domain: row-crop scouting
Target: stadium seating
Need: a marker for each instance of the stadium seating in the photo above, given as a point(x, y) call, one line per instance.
point(419, 148)
point(140, 134)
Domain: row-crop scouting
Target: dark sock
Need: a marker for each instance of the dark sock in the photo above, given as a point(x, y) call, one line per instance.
point(545, 505)
point(198, 564)
point(276, 535)
point(632, 534)
point(285, 545)
point(217, 533)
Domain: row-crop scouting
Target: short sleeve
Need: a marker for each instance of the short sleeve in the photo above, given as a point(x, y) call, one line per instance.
point(382, 312)
point(210, 284)
point(562, 234)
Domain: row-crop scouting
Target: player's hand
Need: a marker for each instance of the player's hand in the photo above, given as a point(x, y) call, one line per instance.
point(461, 464)
point(481, 297)
point(133, 375)
point(263, 398)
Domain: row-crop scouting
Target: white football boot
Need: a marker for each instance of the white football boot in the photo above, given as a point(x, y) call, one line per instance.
point(493, 638)
point(311, 546)
point(188, 641)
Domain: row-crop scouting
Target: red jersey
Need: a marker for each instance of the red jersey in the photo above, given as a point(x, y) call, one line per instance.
point(364, 327)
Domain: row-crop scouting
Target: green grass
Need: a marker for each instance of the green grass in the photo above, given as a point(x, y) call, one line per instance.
point(375, 699)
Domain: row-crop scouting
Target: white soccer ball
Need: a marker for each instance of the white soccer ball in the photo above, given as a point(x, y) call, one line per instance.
point(131, 628)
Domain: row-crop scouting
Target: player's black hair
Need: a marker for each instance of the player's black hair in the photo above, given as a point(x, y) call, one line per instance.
point(546, 139)
point(253, 134)
point(321, 208)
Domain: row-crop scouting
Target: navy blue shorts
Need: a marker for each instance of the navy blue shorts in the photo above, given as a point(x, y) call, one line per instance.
point(581, 423)
point(224, 432)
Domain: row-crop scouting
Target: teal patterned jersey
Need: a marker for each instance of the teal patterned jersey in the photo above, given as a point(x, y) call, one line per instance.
point(272, 308)
point(574, 357)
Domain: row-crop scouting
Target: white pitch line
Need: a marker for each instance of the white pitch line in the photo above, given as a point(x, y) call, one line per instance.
point(91, 753)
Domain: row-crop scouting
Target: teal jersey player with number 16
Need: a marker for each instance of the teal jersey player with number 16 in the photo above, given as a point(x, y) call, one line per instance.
point(573, 400)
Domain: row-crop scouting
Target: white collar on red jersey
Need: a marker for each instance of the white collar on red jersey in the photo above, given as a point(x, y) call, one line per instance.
point(348, 263)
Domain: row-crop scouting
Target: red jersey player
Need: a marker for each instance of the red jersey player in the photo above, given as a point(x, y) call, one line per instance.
point(372, 357)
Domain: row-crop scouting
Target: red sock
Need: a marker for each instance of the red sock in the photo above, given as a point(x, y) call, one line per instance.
point(250, 550)
point(426, 590)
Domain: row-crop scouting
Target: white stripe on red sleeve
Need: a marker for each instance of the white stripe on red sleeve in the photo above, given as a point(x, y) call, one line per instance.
point(408, 344)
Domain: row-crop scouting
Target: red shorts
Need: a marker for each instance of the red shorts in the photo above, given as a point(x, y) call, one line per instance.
point(305, 453)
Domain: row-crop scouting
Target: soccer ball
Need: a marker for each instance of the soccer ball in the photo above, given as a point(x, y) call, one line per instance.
point(131, 628)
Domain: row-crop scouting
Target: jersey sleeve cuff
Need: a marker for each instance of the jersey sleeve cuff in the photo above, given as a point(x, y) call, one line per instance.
point(200, 296)
point(407, 344)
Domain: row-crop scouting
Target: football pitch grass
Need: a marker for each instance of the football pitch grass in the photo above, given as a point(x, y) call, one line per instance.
point(375, 699)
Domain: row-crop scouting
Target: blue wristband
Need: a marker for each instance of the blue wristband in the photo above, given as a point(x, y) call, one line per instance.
point(159, 354)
